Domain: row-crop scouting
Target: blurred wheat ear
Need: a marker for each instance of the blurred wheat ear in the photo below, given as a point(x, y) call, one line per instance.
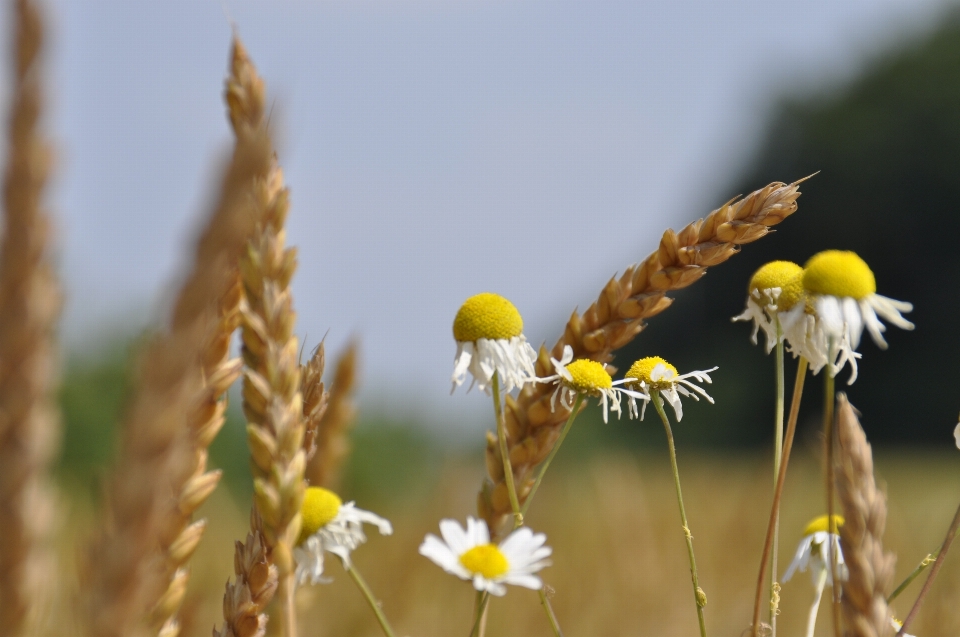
point(130, 587)
point(614, 320)
point(865, 609)
point(335, 423)
point(272, 401)
point(30, 303)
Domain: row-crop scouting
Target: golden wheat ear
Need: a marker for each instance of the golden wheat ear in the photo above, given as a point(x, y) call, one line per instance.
point(30, 303)
point(871, 569)
point(614, 320)
point(333, 429)
point(272, 401)
point(131, 587)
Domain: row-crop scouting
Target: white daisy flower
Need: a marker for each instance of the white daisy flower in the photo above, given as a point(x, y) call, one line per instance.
point(654, 374)
point(489, 334)
point(468, 554)
point(774, 289)
point(956, 434)
point(812, 552)
point(841, 296)
point(330, 525)
point(897, 625)
point(589, 378)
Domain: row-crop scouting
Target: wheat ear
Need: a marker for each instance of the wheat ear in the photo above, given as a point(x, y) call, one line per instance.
point(865, 609)
point(315, 401)
point(219, 371)
point(156, 480)
point(333, 443)
point(29, 307)
point(272, 401)
point(615, 319)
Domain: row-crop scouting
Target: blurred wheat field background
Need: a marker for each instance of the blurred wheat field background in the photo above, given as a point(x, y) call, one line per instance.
point(619, 563)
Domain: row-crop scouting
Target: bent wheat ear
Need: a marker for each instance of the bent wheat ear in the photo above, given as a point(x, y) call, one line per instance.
point(30, 303)
point(333, 431)
point(865, 609)
point(614, 320)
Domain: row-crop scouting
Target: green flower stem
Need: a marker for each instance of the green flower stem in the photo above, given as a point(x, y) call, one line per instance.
point(505, 453)
point(551, 617)
point(482, 599)
point(371, 600)
point(941, 555)
point(698, 596)
point(778, 491)
point(829, 398)
point(777, 454)
point(553, 452)
point(921, 567)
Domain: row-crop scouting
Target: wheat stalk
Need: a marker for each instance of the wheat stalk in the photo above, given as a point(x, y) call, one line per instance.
point(865, 609)
point(333, 444)
point(272, 401)
point(29, 306)
point(156, 483)
point(614, 320)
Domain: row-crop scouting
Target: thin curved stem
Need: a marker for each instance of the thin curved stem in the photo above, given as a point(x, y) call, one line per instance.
point(814, 609)
point(699, 597)
point(951, 533)
point(551, 617)
point(921, 567)
point(778, 491)
point(481, 609)
point(777, 454)
point(505, 453)
point(829, 398)
point(371, 600)
point(553, 452)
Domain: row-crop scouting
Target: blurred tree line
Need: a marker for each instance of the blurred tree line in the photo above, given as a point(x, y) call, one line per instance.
point(887, 148)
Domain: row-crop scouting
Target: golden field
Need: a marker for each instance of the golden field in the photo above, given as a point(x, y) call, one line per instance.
point(619, 563)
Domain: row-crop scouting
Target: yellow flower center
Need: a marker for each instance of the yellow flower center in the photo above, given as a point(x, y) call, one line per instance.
point(643, 369)
point(839, 273)
point(485, 559)
point(818, 525)
point(487, 316)
point(588, 376)
point(786, 275)
point(320, 506)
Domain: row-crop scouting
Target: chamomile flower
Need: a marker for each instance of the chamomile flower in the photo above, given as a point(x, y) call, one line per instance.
point(956, 434)
point(469, 554)
point(330, 525)
point(897, 625)
point(588, 378)
point(813, 552)
point(774, 289)
point(654, 374)
point(489, 334)
point(842, 299)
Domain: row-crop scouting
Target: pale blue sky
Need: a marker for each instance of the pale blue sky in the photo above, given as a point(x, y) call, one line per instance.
point(434, 149)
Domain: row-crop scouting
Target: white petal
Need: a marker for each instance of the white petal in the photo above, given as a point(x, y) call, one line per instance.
point(455, 536)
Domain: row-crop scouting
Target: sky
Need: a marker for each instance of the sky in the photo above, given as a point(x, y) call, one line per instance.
point(434, 150)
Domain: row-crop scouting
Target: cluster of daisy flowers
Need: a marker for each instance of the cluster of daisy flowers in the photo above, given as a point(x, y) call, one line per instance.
point(821, 309)
point(818, 312)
